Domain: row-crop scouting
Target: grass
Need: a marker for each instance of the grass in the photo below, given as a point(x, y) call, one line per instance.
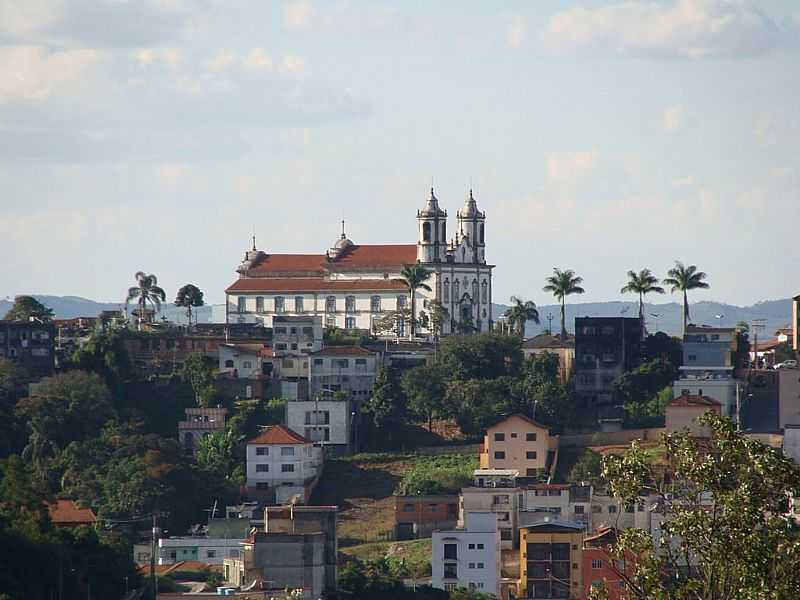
point(445, 474)
point(413, 555)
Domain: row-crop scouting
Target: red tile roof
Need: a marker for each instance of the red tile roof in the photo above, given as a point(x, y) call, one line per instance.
point(344, 351)
point(67, 512)
point(261, 349)
point(524, 418)
point(289, 263)
point(377, 255)
point(694, 400)
point(308, 284)
point(278, 434)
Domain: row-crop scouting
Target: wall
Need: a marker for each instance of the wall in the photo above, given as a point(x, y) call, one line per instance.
point(418, 516)
point(516, 447)
point(307, 462)
point(295, 561)
point(338, 426)
point(721, 390)
point(485, 579)
point(502, 501)
point(789, 397)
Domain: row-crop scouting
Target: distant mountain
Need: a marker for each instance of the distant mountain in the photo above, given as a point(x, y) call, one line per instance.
point(776, 313)
point(667, 317)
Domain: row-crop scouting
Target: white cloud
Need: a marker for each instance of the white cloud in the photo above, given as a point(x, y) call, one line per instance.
point(570, 166)
point(680, 28)
point(517, 32)
point(673, 118)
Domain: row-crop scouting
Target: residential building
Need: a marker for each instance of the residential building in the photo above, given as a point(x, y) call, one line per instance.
point(293, 335)
point(67, 513)
point(605, 348)
point(351, 286)
point(212, 551)
point(200, 422)
point(796, 323)
point(682, 414)
point(551, 501)
point(551, 560)
point(785, 335)
point(546, 343)
point(709, 346)
point(282, 465)
point(30, 345)
point(468, 556)
point(400, 354)
point(788, 397)
point(717, 383)
point(349, 369)
point(494, 491)
point(245, 360)
point(601, 569)
point(418, 516)
point(520, 443)
point(327, 422)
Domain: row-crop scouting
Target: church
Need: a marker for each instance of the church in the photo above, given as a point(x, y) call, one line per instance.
point(352, 285)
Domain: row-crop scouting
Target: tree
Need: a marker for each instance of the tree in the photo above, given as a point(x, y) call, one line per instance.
point(146, 290)
point(387, 404)
point(414, 277)
point(663, 346)
point(724, 529)
point(437, 317)
point(683, 279)
point(480, 356)
point(642, 283)
point(106, 355)
point(217, 453)
point(26, 308)
point(587, 469)
point(520, 313)
point(479, 403)
point(199, 375)
point(393, 321)
point(424, 388)
point(189, 296)
point(562, 284)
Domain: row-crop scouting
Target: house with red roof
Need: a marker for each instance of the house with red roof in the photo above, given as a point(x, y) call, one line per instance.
point(282, 465)
point(682, 413)
point(67, 513)
point(353, 285)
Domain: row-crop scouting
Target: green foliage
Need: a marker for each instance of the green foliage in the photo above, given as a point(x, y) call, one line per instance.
point(387, 404)
point(146, 291)
point(480, 356)
point(104, 354)
point(445, 474)
point(380, 579)
point(189, 296)
point(682, 279)
point(467, 594)
point(520, 313)
point(725, 505)
point(588, 468)
point(662, 346)
point(650, 413)
point(478, 403)
point(27, 307)
point(644, 382)
point(333, 336)
point(217, 453)
point(392, 321)
point(415, 277)
point(562, 284)
point(424, 387)
point(198, 372)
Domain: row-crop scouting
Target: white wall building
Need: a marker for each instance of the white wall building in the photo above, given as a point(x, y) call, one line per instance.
point(468, 557)
point(352, 285)
point(328, 422)
point(350, 369)
point(718, 383)
point(212, 551)
point(246, 360)
point(284, 462)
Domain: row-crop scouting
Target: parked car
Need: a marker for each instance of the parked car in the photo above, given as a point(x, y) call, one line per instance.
point(787, 364)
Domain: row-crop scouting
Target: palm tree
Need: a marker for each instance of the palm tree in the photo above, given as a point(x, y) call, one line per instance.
point(189, 296)
point(562, 284)
point(520, 313)
point(415, 276)
point(683, 279)
point(146, 290)
point(642, 283)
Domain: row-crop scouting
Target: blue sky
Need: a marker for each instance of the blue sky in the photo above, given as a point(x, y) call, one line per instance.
point(600, 136)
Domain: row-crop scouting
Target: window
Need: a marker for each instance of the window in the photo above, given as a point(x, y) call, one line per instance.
point(308, 331)
point(505, 535)
point(513, 435)
point(500, 455)
point(612, 509)
point(361, 362)
point(375, 304)
point(293, 346)
point(241, 305)
point(262, 451)
point(597, 564)
point(451, 551)
point(480, 565)
point(480, 546)
point(280, 346)
point(279, 308)
point(287, 451)
point(471, 565)
point(298, 305)
point(607, 330)
point(260, 304)
point(498, 500)
point(444, 231)
point(287, 363)
point(330, 304)
point(426, 232)
point(287, 468)
point(262, 468)
point(484, 292)
point(408, 508)
point(530, 454)
point(474, 290)
point(456, 290)
point(228, 364)
point(446, 290)
point(262, 485)
point(471, 546)
point(247, 364)
point(692, 358)
point(579, 509)
point(499, 437)
point(350, 304)
point(449, 587)
point(280, 330)
point(433, 508)
point(349, 322)
point(318, 362)
point(402, 302)
point(450, 570)
point(596, 509)
point(608, 357)
point(340, 363)
point(530, 437)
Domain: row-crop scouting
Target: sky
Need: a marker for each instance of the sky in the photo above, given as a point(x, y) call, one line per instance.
point(599, 136)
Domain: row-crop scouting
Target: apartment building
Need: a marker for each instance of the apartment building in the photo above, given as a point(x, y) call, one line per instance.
point(30, 345)
point(329, 423)
point(519, 443)
point(418, 516)
point(468, 556)
point(348, 369)
point(551, 560)
point(495, 491)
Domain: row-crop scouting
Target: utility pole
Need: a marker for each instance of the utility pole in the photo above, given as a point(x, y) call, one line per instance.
point(153, 581)
point(550, 323)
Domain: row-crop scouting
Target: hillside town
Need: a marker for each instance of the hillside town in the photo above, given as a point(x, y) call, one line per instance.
point(363, 423)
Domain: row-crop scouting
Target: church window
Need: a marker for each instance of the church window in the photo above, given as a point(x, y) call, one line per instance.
point(484, 292)
point(375, 304)
point(474, 290)
point(279, 306)
point(444, 231)
point(350, 323)
point(447, 290)
point(481, 234)
point(298, 304)
point(456, 291)
point(463, 253)
point(241, 304)
point(330, 304)
point(401, 302)
point(350, 304)
point(260, 304)
point(426, 232)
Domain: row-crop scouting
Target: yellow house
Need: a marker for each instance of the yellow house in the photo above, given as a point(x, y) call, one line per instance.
point(551, 560)
point(520, 443)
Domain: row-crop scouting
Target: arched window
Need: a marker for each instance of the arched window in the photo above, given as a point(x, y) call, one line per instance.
point(426, 232)
point(456, 294)
point(444, 231)
point(350, 304)
point(481, 234)
point(484, 292)
point(446, 290)
point(474, 290)
point(330, 304)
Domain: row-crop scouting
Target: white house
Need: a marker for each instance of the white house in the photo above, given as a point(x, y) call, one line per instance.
point(468, 557)
point(328, 422)
point(212, 551)
point(283, 464)
point(352, 285)
point(245, 360)
point(343, 368)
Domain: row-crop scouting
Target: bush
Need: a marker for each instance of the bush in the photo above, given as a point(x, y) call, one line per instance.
point(438, 475)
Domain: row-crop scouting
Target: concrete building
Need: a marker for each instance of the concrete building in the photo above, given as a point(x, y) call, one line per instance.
point(683, 412)
point(552, 344)
point(717, 383)
point(199, 423)
point(296, 334)
point(601, 569)
point(709, 346)
point(551, 560)
point(560, 502)
point(327, 422)
point(495, 491)
point(29, 345)
point(282, 465)
point(520, 443)
point(212, 551)
point(418, 516)
point(469, 556)
point(246, 360)
point(351, 286)
point(349, 369)
point(605, 348)
point(796, 323)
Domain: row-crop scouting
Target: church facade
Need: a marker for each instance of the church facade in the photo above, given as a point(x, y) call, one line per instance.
point(352, 285)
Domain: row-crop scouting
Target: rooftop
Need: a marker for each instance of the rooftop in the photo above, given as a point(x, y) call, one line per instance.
point(694, 400)
point(351, 256)
point(67, 512)
point(343, 351)
point(278, 434)
point(545, 340)
point(312, 284)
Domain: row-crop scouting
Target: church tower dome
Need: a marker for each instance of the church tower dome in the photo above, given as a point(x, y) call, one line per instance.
point(471, 224)
point(251, 257)
point(340, 245)
point(431, 232)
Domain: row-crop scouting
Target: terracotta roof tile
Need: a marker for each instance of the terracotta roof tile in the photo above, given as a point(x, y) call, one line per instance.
point(289, 263)
point(377, 255)
point(67, 512)
point(309, 284)
point(344, 351)
point(278, 434)
point(694, 400)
